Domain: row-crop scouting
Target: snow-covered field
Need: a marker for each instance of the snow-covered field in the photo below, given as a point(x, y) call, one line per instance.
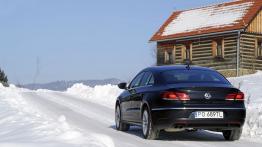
point(84, 117)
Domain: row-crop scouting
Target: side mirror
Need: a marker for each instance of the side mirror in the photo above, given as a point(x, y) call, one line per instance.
point(122, 85)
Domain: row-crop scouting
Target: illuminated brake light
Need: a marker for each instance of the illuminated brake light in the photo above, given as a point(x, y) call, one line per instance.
point(180, 96)
point(240, 96)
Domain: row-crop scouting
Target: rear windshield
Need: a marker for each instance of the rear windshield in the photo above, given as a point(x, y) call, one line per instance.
point(193, 76)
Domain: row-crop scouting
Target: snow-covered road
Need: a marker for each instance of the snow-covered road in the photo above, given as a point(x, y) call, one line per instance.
point(96, 121)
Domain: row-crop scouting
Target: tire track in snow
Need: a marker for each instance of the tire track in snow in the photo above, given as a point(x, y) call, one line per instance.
point(54, 103)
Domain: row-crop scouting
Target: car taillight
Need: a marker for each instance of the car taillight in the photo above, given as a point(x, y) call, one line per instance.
point(180, 96)
point(240, 96)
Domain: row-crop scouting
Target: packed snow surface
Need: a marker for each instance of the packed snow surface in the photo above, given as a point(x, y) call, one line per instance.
point(84, 117)
point(207, 17)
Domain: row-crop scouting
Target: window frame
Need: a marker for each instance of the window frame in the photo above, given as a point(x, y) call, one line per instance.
point(141, 73)
point(170, 56)
point(145, 79)
point(151, 77)
point(186, 52)
point(258, 48)
point(215, 48)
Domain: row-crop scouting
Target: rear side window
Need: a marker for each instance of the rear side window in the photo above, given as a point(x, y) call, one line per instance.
point(193, 76)
point(136, 81)
point(151, 80)
point(146, 79)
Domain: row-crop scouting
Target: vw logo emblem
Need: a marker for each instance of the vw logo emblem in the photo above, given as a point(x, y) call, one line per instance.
point(208, 96)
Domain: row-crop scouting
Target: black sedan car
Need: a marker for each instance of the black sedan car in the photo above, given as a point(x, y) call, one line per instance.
point(177, 98)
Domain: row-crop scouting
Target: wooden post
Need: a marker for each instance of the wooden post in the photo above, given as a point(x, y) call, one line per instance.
point(174, 54)
point(183, 50)
point(223, 48)
point(214, 48)
point(238, 53)
point(191, 51)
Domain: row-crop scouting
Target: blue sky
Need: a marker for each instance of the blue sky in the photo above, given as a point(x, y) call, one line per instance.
point(81, 39)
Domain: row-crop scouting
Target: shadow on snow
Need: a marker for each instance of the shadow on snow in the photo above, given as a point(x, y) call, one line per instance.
point(200, 135)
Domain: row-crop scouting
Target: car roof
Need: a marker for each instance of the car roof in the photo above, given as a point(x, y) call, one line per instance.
point(175, 67)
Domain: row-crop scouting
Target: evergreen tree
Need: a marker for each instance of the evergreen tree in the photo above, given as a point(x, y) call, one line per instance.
point(3, 78)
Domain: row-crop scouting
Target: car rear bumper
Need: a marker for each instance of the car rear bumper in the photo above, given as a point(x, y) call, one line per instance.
point(164, 118)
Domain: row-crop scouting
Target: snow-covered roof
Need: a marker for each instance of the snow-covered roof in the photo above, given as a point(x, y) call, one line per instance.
point(216, 18)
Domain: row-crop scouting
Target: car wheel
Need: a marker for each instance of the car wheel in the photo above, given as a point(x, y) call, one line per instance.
point(149, 132)
point(118, 120)
point(232, 135)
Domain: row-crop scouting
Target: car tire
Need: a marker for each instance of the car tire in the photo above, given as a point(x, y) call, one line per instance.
point(232, 135)
point(120, 125)
point(149, 132)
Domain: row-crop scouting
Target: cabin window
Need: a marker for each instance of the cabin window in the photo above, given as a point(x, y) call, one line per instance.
point(187, 52)
point(169, 57)
point(218, 48)
point(259, 48)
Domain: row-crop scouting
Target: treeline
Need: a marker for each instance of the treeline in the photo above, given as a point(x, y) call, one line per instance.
point(3, 78)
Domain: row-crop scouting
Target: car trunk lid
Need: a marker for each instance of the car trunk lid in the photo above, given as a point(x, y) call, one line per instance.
point(204, 92)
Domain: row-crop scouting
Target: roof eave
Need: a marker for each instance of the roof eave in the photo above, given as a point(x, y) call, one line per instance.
point(196, 36)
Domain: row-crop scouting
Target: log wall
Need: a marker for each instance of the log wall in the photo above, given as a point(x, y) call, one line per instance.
point(202, 53)
point(248, 59)
point(256, 25)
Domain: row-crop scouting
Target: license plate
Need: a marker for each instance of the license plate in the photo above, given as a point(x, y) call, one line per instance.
point(209, 114)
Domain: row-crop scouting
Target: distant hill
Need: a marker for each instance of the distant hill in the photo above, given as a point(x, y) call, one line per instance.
point(63, 85)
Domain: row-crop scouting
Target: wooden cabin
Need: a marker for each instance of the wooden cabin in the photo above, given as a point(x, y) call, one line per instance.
point(226, 37)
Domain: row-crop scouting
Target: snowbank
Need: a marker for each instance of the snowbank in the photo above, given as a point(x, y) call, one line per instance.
point(22, 124)
point(251, 85)
point(105, 95)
